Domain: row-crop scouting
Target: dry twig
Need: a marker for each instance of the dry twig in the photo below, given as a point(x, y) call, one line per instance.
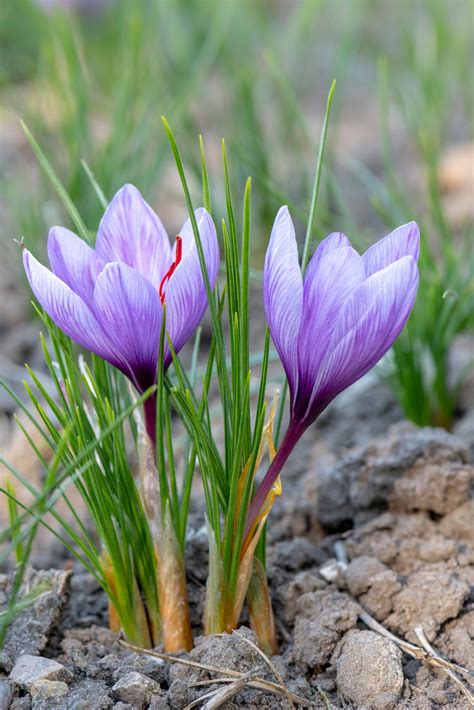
point(259, 683)
point(272, 667)
point(425, 654)
point(216, 698)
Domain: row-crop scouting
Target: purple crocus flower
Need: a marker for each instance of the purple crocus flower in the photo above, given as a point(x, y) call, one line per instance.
point(336, 324)
point(110, 299)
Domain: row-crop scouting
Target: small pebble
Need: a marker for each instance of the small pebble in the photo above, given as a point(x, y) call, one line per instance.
point(48, 689)
point(31, 669)
point(135, 688)
point(6, 694)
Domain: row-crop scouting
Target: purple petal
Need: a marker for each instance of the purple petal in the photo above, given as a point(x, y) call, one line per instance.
point(132, 233)
point(283, 292)
point(335, 240)
point(129, 310)
point(332, 276)
point(67, 309)
point(186, 232)
point(403, 241)
point(185, 294)
point(366, 328)
point(74, 262)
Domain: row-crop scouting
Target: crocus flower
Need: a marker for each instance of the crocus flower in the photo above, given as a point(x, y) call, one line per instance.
point(336, 324)
point(110, 299)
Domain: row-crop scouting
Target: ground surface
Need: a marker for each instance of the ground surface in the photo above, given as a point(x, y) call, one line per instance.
point(376, 517)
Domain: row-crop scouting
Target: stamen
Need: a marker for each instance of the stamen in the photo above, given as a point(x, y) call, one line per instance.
point(171, 270)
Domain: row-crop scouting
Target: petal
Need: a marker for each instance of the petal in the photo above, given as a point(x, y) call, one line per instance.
point(67, 309)
point(366, 328)
point(403, 241)
point(186, 232)
point(74, 262)
point(132, 233)
point(335, 240)
point(185, 293)
point(283, 292)
point(331, 278)
point(129, 310)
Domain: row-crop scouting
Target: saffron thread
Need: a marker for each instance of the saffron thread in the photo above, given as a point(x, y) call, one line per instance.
point(171, 270)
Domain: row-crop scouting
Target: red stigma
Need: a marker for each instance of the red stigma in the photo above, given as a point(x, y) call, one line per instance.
point(171, 270)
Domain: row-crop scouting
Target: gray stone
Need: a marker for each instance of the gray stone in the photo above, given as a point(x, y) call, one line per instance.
point(153, 668)
point(136, 689)
point(158, 702)
point(85, 695)
point(30, 631)
point(369, 670)
point(23, 703)
point(6, 694)
point(48, 689)
point(28, 670)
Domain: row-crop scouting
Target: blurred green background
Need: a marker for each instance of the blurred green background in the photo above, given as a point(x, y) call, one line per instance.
point(91, 79)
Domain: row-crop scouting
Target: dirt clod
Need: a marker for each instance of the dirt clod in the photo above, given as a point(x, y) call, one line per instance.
point(431, 596)
point(408, 469)
point(374, 584)
point(369, 670)
point(321, 619)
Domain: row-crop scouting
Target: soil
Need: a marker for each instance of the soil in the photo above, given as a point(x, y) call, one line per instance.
point(381, 526)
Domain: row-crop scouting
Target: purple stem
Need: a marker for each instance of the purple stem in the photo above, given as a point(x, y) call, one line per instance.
point(291, 438)
point(149, 407)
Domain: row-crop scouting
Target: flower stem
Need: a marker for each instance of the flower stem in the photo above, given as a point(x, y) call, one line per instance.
point(289, 441)
point(149, 408)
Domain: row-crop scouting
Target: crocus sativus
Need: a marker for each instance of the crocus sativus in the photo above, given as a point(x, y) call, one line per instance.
point(110, 299)
point(333, 326)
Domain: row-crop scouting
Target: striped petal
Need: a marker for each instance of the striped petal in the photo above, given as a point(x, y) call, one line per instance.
point(74, 262)
point(332, 276)
point(185, 294)
point(283, 293)
point(403, 241)
point(67, 309)
point(369, 322)
point(335, 240)
point(132, 233)
point(129, 310)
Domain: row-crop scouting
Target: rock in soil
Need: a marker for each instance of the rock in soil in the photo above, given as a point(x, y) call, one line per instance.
point(369, 670)
point(136, 689)
point(31, 630)
point(85, 694)
point(6, 694)
point(29, 670)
